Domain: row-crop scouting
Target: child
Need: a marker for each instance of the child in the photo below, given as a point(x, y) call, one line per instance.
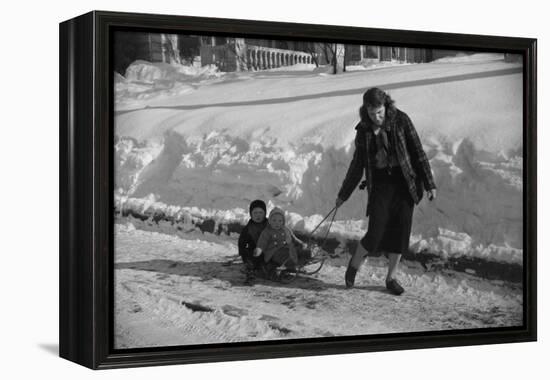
point(276, 242)
point(249, 236)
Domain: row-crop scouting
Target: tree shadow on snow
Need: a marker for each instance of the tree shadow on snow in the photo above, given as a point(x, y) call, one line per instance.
point(231, 273)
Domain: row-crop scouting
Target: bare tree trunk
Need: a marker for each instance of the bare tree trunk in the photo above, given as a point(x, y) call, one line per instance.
point(313, 54)
point(338, 58)
point(333, 49)
point(341, 57)
point(334, 55)
point(237, 48)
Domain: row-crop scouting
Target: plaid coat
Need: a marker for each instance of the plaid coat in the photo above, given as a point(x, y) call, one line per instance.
point(411, 157)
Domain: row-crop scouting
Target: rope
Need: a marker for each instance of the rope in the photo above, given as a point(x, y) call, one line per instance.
point(324, 240)
point(325, 218)
point(321, 246)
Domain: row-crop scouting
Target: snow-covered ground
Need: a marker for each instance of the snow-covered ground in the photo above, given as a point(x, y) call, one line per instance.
point(171, 290)
point(194, 144)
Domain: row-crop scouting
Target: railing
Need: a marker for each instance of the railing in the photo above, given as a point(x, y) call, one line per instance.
point(264, 58)
point(253, 58)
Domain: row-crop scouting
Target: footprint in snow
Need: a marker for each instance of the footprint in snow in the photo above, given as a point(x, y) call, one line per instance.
point(234, 311)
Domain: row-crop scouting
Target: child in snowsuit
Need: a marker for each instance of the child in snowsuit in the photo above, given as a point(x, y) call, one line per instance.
point(277, 244)
point(249, 236)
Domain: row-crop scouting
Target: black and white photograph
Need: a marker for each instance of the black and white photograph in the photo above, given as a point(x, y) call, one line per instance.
point(266, 190)
point(271, 189)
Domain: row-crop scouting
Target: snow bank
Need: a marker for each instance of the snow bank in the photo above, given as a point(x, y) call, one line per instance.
point(143, 71)
point(445, 243)
point(375, 65)
point(466, 58)
point(145, 81)
point(480, 198)
point(449, 244)
point(297, 67)
point(289, 140)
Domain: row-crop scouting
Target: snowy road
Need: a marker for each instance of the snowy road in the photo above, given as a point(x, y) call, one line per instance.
point(345, 92)
point(177, 291)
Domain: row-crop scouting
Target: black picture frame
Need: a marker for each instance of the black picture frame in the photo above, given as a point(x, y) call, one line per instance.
point(86, 190)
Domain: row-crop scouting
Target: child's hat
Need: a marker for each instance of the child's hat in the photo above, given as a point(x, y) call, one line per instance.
point(258, 203)
point(277, 210)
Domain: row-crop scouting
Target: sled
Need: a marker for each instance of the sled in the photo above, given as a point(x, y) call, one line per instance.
point(308, 268)
point(310, 265)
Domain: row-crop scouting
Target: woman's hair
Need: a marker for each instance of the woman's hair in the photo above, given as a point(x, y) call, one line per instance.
point(374, 98)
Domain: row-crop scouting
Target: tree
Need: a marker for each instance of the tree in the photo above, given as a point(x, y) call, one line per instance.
point(312, 51)
point(334, 55)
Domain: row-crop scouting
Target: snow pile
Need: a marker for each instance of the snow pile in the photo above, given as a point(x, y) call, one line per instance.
point(480, 194)
point(296, 67)
point(158, 72)
point(149, 206)
point(376, 65)
point(288, 139)
point(145, 81)
point(219, 176)
point(445, 243)
point(131, 157)
point(453, 244)
point(468, 58)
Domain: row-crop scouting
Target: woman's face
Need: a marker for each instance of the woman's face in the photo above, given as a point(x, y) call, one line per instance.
point(258, 215)
point(377, 114)
point(276, 221)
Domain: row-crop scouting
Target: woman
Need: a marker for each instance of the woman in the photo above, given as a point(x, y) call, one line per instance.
point(389, 152)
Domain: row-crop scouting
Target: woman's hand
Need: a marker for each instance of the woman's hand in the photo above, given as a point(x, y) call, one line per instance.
point(432, 194)
point(257, 252)
point(338, 202)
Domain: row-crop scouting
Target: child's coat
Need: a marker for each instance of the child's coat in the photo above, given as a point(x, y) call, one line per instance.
point(272, 240)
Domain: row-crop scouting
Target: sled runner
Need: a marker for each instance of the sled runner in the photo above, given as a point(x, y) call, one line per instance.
point(308, 268)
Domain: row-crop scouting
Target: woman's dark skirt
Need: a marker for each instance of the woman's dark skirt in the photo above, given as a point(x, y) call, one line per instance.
point(390, 217)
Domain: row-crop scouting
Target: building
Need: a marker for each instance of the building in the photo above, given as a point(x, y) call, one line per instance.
point(244, 54)
point(364, 54)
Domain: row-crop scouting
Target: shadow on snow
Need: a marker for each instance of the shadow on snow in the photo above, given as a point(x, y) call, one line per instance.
point(231, 273)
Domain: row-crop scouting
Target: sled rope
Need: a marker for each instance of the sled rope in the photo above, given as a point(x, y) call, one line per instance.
point(325, 218)
point(324, 240)
point(288, 276)
point(301, 270)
